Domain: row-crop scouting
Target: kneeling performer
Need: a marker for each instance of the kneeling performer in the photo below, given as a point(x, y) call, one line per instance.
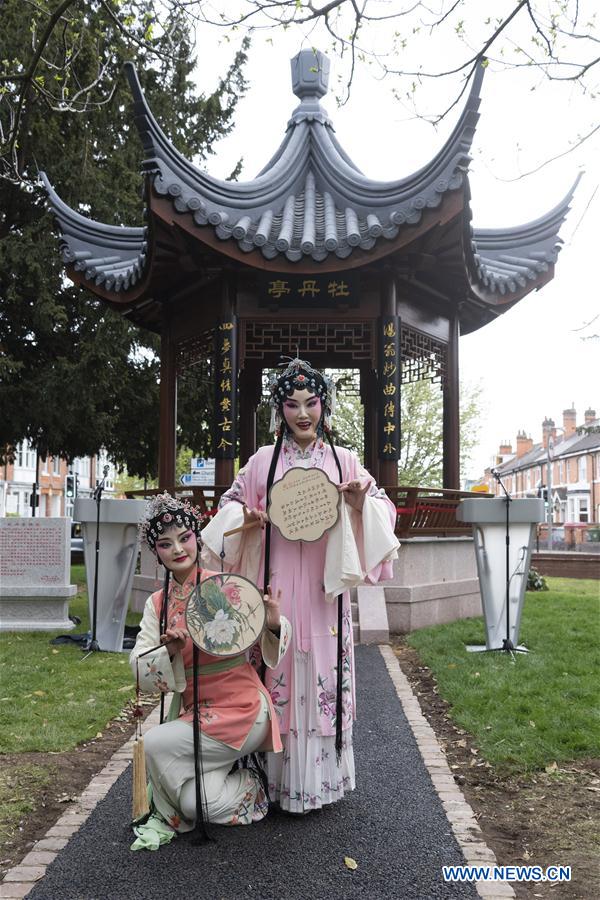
point(236, 715)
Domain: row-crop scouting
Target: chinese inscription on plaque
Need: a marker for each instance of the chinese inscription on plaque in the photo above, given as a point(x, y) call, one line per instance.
point(389, 388)
point(303, 505)
point(226, 388)
point(312, 291)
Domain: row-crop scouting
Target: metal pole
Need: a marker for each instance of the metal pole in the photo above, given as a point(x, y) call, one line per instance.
point(34, 494)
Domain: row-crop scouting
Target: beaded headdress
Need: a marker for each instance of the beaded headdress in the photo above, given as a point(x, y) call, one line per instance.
point(163, 512)
point(300, 375)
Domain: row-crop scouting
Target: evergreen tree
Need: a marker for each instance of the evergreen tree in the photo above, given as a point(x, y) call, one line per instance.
point(76, 376)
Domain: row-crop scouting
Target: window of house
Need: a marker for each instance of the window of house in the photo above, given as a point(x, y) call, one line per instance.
point(25, 456)
point(582, 467)
point(56, 465)
point(583, 510)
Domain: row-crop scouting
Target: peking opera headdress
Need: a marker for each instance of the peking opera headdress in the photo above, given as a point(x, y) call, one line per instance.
point(164, 511)
point(298, 376)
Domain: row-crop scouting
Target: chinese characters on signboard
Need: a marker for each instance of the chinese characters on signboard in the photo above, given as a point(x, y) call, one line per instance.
point(389, 387)
point(308, 290)
point(226, 389)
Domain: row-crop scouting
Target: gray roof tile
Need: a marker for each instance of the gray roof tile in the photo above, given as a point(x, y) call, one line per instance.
point(311, 201)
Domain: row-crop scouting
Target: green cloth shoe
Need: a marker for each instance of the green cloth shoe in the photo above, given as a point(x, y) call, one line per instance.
point(152, 834)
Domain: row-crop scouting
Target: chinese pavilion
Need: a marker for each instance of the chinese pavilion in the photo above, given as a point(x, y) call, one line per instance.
point(309, 257)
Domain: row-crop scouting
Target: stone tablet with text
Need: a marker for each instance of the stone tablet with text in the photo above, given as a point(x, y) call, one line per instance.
point(304, 504)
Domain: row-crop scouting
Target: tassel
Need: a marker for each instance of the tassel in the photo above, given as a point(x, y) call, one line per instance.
point(140, 807)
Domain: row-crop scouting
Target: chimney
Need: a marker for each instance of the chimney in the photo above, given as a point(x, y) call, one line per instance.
point(505, 449)
point(548, 431)
point(590, 416)
point(569, 421)
point(524, 444)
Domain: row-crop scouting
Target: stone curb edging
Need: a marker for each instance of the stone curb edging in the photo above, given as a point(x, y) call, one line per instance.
point(22, 878)
point(458, 811)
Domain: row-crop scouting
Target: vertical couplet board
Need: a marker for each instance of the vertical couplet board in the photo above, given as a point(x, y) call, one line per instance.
point(389, 388)
point(225, 432)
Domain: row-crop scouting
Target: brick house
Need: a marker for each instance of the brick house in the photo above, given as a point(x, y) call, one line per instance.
point(17, 479)
point(572, 451)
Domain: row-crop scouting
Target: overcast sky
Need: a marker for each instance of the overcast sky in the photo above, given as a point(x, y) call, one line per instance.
point(531, 362)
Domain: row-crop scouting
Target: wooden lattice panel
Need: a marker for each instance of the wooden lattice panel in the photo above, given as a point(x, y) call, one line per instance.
point(197, 350)
point(422, 357)
point(306, 339)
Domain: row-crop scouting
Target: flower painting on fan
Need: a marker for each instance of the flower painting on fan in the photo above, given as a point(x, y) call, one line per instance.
point(225, 615)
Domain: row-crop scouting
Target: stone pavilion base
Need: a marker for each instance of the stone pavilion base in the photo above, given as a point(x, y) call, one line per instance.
point(435, 581)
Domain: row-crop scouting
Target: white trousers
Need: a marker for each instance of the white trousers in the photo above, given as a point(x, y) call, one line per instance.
point(235, 798)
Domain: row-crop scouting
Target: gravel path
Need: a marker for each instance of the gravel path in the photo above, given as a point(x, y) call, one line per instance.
point(393, 825)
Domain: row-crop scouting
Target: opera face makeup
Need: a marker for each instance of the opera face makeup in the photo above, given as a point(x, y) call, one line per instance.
point(302, 412)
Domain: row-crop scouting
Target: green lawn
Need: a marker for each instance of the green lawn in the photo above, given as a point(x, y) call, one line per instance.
point(52, 698)
point(537, 709)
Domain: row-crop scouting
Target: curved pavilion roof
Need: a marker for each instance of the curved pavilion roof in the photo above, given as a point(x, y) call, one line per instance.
point(311, 209)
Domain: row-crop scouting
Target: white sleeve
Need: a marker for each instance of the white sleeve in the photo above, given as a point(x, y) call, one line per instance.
point(157, 672)
point(242, 550)
point(274, 648)
point(380, 544)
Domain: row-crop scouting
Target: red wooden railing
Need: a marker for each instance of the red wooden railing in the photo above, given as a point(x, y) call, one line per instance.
point(421, 511)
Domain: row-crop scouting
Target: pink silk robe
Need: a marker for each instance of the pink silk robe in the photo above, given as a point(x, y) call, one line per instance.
point(297, 569)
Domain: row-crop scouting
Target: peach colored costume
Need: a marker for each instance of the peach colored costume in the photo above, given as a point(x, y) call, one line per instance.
point(235, 711)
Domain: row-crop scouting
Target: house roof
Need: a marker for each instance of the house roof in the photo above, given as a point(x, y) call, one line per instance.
point(311, 204)
point(571, 446)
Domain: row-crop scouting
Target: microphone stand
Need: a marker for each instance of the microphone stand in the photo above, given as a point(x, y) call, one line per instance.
point(507, 644)
point(97, 496)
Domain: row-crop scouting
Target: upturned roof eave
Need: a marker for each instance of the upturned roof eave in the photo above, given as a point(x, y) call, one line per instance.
point(305, 137)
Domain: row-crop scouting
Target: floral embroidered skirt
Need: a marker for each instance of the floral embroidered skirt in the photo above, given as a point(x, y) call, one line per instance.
point(232, 798)
point(306, 775)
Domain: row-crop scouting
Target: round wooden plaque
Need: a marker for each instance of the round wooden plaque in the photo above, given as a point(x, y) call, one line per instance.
point(225, 615)
point(304, 504)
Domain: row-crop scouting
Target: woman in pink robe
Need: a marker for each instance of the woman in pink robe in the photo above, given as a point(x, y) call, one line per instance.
point(359, 548)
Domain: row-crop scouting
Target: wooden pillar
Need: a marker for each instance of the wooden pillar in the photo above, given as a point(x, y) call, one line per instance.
point(368, 397)
point(388, 381)
point(167, 438)
point(451, 420)
point(250, 392)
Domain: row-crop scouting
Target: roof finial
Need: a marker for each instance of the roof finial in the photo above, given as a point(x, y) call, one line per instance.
point(310, 73)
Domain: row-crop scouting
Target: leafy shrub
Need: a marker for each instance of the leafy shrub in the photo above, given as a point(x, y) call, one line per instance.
point(535, 581)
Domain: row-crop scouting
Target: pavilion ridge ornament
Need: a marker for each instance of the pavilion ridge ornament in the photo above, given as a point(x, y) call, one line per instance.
point(226, 389)
point(389, 387)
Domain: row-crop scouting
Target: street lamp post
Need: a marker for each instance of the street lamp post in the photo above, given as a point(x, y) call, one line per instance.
point(550, 510)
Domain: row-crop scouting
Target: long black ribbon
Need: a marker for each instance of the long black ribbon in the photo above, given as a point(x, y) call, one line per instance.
point(162, 629)
point(340, 645)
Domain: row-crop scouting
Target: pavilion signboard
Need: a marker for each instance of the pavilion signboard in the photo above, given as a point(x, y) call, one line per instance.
point(327, 291)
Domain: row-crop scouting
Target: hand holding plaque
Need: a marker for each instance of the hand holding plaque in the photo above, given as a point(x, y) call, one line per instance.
point(304, 504)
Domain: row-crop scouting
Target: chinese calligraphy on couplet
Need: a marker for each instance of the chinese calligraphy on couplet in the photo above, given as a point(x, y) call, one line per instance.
point(225, 389)
point(389, 387)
